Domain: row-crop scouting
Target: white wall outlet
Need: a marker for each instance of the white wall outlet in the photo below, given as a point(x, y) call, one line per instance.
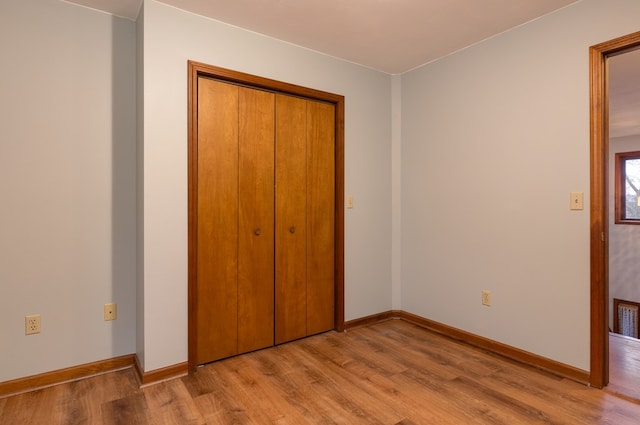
point(486, 298)
point(32, 324)
point(110, 311)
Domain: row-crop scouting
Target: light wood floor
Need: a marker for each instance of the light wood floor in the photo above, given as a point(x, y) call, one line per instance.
point(388, 373)
point(624, 367)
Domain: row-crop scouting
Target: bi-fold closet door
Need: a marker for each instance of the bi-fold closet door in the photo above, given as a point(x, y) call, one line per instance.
point(265, 218)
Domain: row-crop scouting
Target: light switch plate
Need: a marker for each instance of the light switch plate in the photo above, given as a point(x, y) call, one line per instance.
point(577, 200)
point(350, 201)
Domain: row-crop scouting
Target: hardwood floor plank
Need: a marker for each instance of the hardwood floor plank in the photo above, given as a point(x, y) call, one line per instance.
point(448, 351)
point(170, 403)
point(200, 383)
point(221, 405)
point(77, 407)
point(344, 389)
point(288, 377)
point(381, 388)
point(518, 411)
point(446, 357)
point(523, 386)
point(391, 373)
point(20, 409)
point(624, 366)
point(130, 410)
point(259, 399)
point(366, 378)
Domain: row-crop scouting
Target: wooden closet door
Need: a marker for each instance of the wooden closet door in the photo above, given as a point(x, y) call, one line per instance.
point(305, 217)
point(217, 220)
point(256, 228)
point(291, 198)
point(320, 217)
point(235, 220)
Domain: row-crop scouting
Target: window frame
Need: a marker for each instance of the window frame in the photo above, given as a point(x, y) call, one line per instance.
point(620, 185)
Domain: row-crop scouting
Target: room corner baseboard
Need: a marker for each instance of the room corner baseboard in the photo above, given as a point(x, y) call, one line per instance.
point(60, 376)
point(374, 318)
point(489, 345)
point(159, 375)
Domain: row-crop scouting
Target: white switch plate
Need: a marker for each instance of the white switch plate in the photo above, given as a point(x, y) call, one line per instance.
point(350, 201)
point(577, 200)
point(486, 298)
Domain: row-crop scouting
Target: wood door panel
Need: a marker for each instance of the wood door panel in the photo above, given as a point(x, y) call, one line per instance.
point(217, 206)
point(229, 196)
point(320, 217)
point(256, 228)
point(290, 218)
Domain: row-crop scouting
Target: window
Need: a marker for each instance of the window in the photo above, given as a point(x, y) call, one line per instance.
point(628, 188)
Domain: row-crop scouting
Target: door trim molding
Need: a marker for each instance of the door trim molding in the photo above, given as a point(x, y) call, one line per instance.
point(599, 129)
point(197, 69)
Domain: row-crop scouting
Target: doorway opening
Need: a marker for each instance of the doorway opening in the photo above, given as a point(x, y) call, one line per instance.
point(599, 237)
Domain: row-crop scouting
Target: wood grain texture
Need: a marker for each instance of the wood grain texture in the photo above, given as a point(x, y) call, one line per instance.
point(198, 71)
point(256, 220)
point(291, 218)
point(392, 372)
point(339, 215)
point(162, 374)
point(509, 351)
point(217, 226)
point(30, 383)
point(624, 367)
point(320, 216)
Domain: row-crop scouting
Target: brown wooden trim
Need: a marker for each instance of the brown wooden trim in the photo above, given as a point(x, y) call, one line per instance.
point(599, 120)
point(192, 166)
point(599, 364)
point(504, 350)
point(60, 376)
point(374, 318)
point(494, 347)
point(196, 69)
point(159, 375)
point(339, 216)
point(262, 83)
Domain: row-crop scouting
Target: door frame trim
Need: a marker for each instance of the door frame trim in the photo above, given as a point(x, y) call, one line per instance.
point(197, 69)
point(599, 134)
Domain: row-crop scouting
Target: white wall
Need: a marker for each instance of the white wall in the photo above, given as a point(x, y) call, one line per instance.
point(624, 239)
point(67, 180)
point(485, 146)
point(171, 37)
point(494, 139)
point(396, 191)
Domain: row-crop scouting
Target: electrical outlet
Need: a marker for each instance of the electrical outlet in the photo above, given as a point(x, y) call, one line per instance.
point(486, 298)
point(32, 324)
point(110, 311)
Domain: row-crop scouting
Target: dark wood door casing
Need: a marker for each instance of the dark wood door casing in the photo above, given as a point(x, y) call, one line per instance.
point(599, 235)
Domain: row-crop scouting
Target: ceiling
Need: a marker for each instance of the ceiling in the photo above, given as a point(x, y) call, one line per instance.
point(395, 36)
